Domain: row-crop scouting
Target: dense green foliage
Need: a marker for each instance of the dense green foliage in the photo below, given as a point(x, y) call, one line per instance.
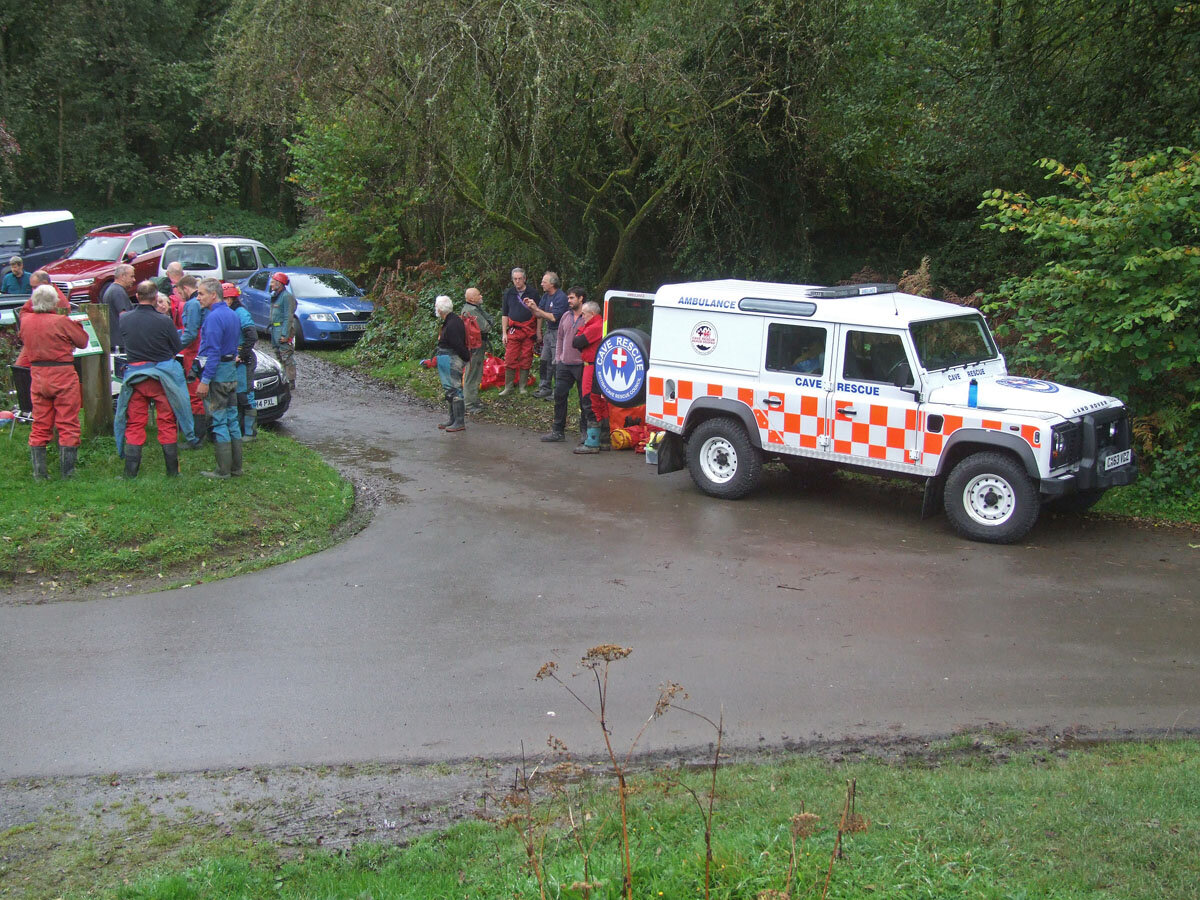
point(1115, 304)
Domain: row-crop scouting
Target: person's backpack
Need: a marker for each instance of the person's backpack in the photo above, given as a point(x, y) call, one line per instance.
point(474, 335)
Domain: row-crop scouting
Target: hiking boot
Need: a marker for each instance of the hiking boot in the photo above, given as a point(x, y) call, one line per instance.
point(553, 436)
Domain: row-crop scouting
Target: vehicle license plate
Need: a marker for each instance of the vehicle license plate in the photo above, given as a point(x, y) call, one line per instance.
point(1117, 459)
point(357, 326)
point(266, 402)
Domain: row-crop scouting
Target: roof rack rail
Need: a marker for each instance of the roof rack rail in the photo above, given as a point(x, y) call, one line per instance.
point(851, 290)
point(117, 226)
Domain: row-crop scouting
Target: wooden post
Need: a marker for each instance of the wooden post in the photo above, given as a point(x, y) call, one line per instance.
point(96, 377)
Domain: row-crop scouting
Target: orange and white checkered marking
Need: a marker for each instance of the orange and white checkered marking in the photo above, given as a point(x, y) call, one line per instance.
point(878, 432)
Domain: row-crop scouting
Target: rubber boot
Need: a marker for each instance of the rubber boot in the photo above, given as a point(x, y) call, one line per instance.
point(605, 436)
point(133, 460)
point(521, 380)
point(37, 457)
point(592, 444)
point(171, 456)
point(235, 463)
point(224, 454)
point(508, 388)
point(442, 426)
point(67, 456)
point(250, 424)
point(459, 414)
point(201, 427)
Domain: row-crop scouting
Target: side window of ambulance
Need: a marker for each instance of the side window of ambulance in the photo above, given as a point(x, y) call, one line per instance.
point(875, 356)
point(796, 348)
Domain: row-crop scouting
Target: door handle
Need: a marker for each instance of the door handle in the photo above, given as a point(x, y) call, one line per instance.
point(772, 401)
point(848, 411)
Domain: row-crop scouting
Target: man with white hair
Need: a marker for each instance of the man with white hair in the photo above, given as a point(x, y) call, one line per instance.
point(50, 342)
point(452, 355)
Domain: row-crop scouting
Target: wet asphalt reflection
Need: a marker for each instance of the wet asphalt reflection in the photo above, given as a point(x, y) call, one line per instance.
point(800, 613)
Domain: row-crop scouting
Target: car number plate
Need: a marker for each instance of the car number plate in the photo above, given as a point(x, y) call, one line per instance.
point(357, 326)
point(266, 402)
point(1117, 459)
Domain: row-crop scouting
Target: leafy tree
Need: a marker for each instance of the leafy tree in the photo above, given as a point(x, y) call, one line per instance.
point(1116, 303)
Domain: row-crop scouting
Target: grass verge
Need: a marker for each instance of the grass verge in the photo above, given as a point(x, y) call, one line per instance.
point(1116, 820)
point(100, 528)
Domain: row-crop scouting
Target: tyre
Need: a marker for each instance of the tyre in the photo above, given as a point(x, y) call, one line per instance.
point(989, 497)
point(1075, 504)
point(622, 358)
point(722, 460)
point(297, 334)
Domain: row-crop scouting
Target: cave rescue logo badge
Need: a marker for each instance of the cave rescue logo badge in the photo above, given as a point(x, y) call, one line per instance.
point(1028, 384)
point(620, 368)
point(704, 338)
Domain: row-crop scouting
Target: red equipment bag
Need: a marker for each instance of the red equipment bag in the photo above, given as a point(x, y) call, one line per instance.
point(474, 335)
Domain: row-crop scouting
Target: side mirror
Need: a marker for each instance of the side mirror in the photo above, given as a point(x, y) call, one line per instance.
point(129, 256)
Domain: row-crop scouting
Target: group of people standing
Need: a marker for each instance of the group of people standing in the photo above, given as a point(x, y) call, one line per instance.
point(568, 328)
point(198, 320)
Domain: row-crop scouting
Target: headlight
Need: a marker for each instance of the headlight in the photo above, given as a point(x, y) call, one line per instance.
point(322, 317)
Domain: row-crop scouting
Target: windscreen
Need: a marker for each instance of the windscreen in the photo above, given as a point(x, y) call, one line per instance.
point(327, 284)
point(11, 237)
point(101, 249)
point(957, 341)
point(198, 257)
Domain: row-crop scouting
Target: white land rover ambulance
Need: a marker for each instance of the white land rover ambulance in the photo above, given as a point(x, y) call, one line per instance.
point(862, 377)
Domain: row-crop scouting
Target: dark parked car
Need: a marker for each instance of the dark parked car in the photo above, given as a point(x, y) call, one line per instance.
point(37, 237)
point(88, 269)
point(330, 308)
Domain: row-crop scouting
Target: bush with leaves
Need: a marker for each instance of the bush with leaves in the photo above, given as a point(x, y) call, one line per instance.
point(1114, 306)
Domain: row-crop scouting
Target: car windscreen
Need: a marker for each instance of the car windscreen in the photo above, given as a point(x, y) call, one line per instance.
point(11, 237)
point(324, 284)
point(101, 249)
point(191, 256)
point(957, 341)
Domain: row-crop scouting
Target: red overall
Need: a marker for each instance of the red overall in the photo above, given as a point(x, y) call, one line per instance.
point(145, 392)
point(518, 352)
point(50, 341)
point(593, 330)
point(63, 303)
point(189, 356)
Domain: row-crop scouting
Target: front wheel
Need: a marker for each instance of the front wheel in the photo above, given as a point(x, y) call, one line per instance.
point(989, 497)
point(722, 460)
point(297, 334)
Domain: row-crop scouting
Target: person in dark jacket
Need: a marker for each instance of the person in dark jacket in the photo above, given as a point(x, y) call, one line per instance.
point(151, 343)
point(452, 356)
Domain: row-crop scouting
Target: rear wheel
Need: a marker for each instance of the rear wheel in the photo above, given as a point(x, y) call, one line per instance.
point(722, 460)
point(989, 497)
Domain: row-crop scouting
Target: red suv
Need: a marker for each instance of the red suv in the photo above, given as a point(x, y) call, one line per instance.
point(86, 271)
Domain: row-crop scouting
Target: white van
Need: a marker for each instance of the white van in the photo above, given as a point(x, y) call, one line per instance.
point(224, 257)
point(862, 377)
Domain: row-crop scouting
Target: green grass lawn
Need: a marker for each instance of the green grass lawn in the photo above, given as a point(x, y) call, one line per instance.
point(1113, 821)
point(101, 528)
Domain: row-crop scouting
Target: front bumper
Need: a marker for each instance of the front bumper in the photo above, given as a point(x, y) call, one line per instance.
point(1102, 437)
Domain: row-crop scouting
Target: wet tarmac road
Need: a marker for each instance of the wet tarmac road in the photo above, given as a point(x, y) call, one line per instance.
point(798, 614)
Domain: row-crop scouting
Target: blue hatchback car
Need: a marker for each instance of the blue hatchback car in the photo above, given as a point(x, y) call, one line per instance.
point(330, 308)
